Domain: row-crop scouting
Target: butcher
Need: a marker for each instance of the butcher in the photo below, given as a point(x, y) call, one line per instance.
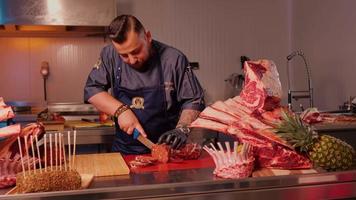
point(152, 88)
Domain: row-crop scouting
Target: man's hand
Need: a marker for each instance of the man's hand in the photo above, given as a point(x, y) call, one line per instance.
point(176, 137)
point(128, 122)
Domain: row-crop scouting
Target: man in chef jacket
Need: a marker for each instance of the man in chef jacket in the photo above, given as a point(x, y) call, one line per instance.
point(154, 90)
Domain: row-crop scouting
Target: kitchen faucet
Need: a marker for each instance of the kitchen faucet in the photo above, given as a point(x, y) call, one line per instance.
point(299, 94)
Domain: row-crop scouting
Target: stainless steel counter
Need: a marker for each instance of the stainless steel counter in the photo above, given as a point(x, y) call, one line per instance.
point(345, 132)
point(335, 127)
point(201, 184)
point(91, 140)
point(95, 135)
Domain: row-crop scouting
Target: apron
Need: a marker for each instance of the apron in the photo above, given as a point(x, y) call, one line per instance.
point(153, 118)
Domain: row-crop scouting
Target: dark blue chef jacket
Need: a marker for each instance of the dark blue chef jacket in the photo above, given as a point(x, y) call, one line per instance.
point(167, 86)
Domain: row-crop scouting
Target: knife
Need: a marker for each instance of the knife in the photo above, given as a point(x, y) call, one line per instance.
point(145, 141)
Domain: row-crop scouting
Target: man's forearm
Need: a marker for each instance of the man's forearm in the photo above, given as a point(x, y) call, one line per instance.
point(104, 102)
point(187, 117)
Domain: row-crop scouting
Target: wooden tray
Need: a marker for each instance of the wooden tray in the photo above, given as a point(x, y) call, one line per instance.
point(85, 124)
point(86, 181)
point(103, 164)
point(280, 172)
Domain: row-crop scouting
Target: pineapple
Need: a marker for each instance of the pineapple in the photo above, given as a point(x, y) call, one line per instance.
point(324, 151)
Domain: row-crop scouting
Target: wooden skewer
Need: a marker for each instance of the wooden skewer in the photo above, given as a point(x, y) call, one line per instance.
point(22, 163)
point(38, 153)
point(27, 154)
point(55, 149)
point(74, 145)
point(33, 154)
point(50, 150)
point(64, 153)
point(60, 150)
point(69, 156)
point(45, 151)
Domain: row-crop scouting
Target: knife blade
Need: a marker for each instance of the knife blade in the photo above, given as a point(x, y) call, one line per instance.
point(145, 141)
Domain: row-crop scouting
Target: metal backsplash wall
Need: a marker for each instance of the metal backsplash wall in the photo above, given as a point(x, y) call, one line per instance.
point(213, 33)
point(70, 60)
point(216, 33)
point(325, 30)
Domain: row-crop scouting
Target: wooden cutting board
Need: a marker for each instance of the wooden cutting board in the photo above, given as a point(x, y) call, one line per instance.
point(85, 124)
point(280, 172)
point(104, 164)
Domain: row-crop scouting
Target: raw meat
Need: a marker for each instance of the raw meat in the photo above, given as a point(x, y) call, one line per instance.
point(8, 131)
point(9, 167)
point(190, 151)
point(242, 117)
point(313, 116)
point(232, 164)
point(262, 88)
point(276, 156)
point(215, 115)
point(161, 152)
point(209, 124)
point(250, 116)
point(142, 161)
point(2, 103)
point(10, 163)
point(10, 145)
point(6, 113)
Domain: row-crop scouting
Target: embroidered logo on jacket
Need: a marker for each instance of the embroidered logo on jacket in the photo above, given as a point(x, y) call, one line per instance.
point(97, 64)
point(137, 103)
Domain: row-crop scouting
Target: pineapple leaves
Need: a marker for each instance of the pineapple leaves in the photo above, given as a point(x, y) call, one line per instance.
point(295, 131)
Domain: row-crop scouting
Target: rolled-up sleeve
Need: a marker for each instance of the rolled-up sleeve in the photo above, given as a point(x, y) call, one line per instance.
point(189, 90)
point(99, 78)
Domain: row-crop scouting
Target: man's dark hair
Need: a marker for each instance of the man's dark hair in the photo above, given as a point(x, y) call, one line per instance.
point(121, 25)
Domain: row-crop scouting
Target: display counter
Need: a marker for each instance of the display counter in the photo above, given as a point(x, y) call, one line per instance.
point(200, 183)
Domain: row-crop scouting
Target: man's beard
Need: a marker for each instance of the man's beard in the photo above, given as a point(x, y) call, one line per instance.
point(144, 65)
point(141, 66)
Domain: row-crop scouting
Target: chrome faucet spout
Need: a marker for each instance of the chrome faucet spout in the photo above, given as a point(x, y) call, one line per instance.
point(308, 73)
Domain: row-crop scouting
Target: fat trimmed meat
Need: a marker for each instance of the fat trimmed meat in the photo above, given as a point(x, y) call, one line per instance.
point(10, 163)
point(232, 163)
point(162, 153)
point(6, 113)
point(262, 88)
point(249, 118)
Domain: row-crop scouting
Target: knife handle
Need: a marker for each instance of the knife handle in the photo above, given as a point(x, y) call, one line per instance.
point(135, 133)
